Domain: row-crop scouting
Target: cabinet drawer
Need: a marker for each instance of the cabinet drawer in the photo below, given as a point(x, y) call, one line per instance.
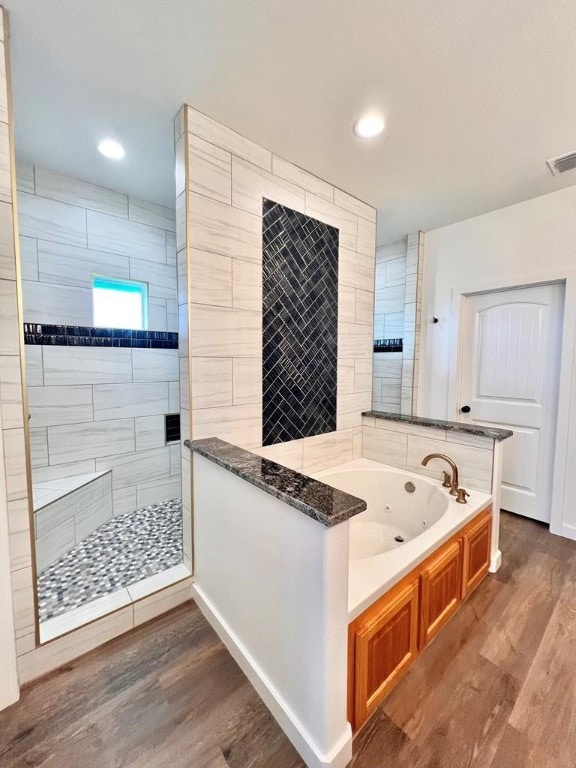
point(385, 645)
point(441, 590)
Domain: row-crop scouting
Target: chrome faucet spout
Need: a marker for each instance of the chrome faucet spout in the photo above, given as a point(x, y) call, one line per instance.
point(454, 484)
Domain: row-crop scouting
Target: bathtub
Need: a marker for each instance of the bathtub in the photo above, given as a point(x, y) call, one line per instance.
point(408, 517)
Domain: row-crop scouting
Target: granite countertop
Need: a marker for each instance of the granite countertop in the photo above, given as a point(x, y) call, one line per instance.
point(319, 501)
point(450, 426)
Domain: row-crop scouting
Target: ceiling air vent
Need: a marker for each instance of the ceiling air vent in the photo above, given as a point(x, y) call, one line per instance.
point(563, 163)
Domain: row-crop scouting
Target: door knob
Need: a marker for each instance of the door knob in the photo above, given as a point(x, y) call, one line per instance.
point(465, 409)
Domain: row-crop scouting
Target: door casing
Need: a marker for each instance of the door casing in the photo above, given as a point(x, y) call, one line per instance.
point(566, 390)
point(534, 417)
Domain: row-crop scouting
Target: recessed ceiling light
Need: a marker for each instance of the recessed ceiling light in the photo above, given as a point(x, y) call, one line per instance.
point(112, 149)
point(369, 126)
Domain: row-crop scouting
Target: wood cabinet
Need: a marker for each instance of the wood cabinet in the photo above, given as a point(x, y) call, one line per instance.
point(476, 541)
point(441, 590)
point(385, 639)
point(386, 644)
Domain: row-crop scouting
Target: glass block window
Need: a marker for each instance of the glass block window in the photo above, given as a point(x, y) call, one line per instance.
point(119, 303)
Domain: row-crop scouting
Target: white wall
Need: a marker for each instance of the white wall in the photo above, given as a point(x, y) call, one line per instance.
point(533, 241)
point(274, 584)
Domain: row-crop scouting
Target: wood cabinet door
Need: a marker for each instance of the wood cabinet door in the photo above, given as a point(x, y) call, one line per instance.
point(476, 541)
point(386, 644)
point(441, 590)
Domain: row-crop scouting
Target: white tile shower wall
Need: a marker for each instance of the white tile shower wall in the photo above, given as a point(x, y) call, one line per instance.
point(115, 422)
point(71, 229)
point(405, 445)
point(389, 324)
point(412, 321)
point(221, 179)
point(399, 269)
point(88, 404)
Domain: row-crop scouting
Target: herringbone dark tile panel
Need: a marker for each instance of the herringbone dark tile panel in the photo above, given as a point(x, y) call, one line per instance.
point(300, 324)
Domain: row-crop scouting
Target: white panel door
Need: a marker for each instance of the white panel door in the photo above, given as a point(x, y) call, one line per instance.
point(509, 378)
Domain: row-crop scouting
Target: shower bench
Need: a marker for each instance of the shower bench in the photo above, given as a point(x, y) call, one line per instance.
point(68, 510)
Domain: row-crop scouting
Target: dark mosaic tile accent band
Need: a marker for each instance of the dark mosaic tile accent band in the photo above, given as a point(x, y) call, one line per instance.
point(313, 498)
point(388, 345)
point(122, 551)
point(85, 336)
point(300, 324)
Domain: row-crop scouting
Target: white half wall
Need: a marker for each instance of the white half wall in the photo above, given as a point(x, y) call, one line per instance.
point(274, 585)
point(531, 242)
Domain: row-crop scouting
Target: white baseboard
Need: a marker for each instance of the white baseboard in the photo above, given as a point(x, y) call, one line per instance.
point(341, 752)
point(495, 562)
point(567, 531)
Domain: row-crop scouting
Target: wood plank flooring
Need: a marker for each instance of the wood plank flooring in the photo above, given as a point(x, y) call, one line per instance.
point(496, 689)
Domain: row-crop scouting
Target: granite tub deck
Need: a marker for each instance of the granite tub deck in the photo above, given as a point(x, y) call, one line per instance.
point(313, 498)
point(450, 426)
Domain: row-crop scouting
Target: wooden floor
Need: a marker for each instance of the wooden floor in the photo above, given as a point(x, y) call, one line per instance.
point(496, 688)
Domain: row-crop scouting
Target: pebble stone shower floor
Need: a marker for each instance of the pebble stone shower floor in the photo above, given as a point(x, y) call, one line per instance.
point(125, 549)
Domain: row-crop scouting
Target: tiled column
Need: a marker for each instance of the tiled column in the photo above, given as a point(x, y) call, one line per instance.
point(221, 179)
point(412, 312)
point(12, 394)
point(181, 153)
point(389, 324)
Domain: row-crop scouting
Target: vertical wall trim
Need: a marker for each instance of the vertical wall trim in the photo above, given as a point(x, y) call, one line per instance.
point(9, 687)
point(412, 323)
point(417, 322)
point(189, 312)
point(16, 236)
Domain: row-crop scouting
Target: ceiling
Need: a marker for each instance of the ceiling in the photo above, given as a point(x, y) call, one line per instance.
point(477, 94)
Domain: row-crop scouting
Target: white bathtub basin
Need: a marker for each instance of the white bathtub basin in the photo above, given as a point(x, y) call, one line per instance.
point(400, 507)
point(423, 520)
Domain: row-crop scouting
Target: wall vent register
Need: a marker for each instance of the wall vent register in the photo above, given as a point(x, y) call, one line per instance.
point(300, 324)
point(562, 163)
